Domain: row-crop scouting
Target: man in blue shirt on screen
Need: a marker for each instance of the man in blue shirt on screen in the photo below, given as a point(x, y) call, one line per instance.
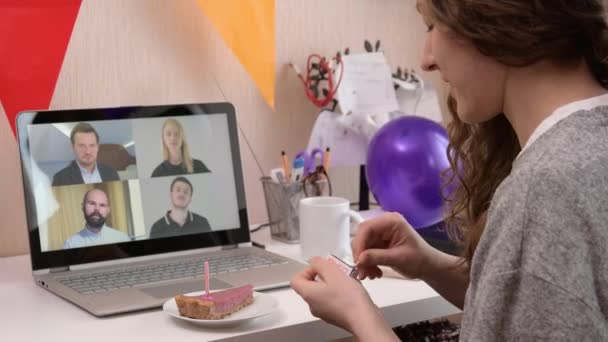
point(96, 209)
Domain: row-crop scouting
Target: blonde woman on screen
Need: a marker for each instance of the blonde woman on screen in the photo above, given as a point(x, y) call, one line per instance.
point(176, 152)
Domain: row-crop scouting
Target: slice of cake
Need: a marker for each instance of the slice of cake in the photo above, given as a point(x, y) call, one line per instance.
point(216, 305)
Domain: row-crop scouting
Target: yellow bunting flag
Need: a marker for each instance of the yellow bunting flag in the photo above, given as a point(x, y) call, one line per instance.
point(247, 27)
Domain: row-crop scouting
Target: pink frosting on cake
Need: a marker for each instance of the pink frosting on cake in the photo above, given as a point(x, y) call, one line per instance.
point(226, 299)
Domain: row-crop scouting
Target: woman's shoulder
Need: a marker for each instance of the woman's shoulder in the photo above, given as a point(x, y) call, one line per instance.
point(199, 166)
point(160, 170)
point(574, 149)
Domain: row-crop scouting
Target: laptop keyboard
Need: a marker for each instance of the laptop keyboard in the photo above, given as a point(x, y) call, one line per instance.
point(191, 268)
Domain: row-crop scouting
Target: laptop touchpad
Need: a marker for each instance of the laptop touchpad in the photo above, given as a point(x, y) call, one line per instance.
point(166, 291)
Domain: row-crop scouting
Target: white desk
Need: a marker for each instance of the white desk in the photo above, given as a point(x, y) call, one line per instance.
point(30, 313)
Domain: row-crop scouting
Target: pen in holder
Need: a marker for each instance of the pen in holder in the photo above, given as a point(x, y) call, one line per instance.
point(282, 201)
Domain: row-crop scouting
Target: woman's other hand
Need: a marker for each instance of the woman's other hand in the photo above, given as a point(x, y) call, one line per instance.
point(391, 241)
point(339, 299)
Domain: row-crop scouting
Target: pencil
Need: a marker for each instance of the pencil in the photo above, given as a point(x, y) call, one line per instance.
point(285, 165)
point(326, 158)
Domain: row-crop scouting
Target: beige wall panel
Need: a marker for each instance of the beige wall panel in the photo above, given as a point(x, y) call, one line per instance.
point(135, 52)
point(126, 52)
point(13, 233)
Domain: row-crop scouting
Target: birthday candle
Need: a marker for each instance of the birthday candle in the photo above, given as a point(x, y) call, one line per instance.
point(207, 278)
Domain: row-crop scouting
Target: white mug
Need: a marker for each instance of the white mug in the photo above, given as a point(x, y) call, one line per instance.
point(325, 226)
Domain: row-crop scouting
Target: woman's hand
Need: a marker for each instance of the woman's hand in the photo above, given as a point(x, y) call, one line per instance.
point(339, 299)
point(389, 240)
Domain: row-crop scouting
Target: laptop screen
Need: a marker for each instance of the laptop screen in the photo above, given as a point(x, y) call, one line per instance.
point(110, 183)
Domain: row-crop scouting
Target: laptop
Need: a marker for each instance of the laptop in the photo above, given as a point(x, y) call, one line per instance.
point(124, 205)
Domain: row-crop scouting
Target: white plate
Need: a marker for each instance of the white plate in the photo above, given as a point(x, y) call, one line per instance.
point(262, 305)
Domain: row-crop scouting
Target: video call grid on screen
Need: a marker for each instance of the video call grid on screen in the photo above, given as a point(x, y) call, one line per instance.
point(136, 200)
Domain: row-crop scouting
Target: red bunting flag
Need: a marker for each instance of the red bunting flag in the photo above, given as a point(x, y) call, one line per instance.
point(34, 36)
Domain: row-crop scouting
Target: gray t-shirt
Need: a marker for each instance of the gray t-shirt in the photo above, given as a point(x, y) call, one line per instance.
point(540, 271)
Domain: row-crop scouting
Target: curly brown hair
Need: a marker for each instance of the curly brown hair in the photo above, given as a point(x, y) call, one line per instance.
point(516, 33)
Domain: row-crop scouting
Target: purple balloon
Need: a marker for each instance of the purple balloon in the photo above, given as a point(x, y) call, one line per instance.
point(405, 160)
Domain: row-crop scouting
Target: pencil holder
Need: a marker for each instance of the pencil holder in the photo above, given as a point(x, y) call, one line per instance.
point(282, 204)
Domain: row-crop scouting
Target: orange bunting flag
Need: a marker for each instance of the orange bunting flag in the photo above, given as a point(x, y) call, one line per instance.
point(247, 27)
point(34, 36)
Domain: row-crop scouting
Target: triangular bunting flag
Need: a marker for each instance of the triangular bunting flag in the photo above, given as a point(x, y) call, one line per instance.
point(247, 27)
point(34, 36)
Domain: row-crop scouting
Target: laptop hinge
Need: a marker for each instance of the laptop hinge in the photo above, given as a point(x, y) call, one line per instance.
point(225, 247)
point(59, 269)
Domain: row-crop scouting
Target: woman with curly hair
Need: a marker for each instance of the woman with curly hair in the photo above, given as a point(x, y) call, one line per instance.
point(529, 154)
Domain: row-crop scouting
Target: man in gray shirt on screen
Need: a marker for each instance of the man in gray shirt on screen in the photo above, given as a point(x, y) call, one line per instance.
point(179, 220)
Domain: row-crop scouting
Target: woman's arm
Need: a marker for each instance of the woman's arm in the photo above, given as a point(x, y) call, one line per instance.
point(342, 301)
point(373, 327)
point(447, 275)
